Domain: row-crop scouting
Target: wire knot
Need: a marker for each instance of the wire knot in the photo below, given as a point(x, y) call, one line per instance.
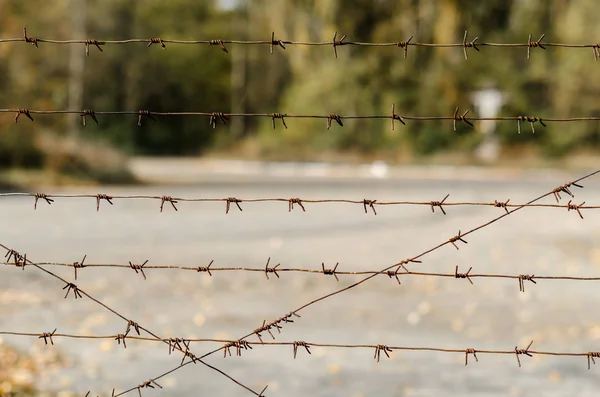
point(92, 42)
point(501, 204)
point(463, 275)
point(101, 196)
point(297, 344)
point(87, 112)
point(381, 348)
point(150, 383)
point(394, 274)
point(469, 44)
point(590, 357)
point(396, 116)
point(32, 40)
point(334, 117)
point(137, 267)
point(531, 121)
point(205, 268)
point(564, 189)
point(42, 196)
point(523, 278)
point(457, 117)
point(72, 287)
point(19, 260)
point(79, 265)
point(275, 43)
point(271, 269)
point(239, 346)
point(167, 199)
point(523, 351)
point(156, 40)
point(121, 337)
point(330, 272)
point(405, 44)
point(371, 204)
point(596, 49)
point(215, 117)
point(47, 336)
point(470, 351)
point(534, 44)
point(456, 238)
point(232, 200)
point(293, 201)
point(278, 116)
point(575, 207)
point(219, 43)
point(439, 204)
point(130, 324)
point(141, 114)
point(337, 43)
point(24, 112)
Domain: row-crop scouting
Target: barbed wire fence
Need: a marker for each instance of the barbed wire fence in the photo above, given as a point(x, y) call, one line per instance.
point(18, 260)
point(335, 43)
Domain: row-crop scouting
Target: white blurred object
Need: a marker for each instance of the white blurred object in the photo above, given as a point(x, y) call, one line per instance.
point(379, 169)
point(488, 103)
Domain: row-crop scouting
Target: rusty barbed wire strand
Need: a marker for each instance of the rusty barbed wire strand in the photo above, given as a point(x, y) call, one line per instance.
point(215, 118)
point(278, 323)
point(79, 293)
point(386, 349)
point(505, 205)
point(276, 269)
point(464, 44)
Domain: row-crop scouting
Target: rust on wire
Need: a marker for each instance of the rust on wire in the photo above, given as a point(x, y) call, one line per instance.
point(86, 112)
point(142, 114)
point(303, 344)
point(139, 267)
point(47, 336)
point(132, 324)
point(439, 204)
point(456, 238)
point(337, 43)
point(90, 42)
point(293, 201)
point(404, 45)
point(463, 275)
point(205, 269)
point(457, 117)
point(396, 116)
point(525, 351)
point(334, 117)
point(72, 287)
point(232, 200)
point(535, 44)
point(219, 43)
point(156, 40)
point(32, 40)
point(41, 196)
point(575, 207)
point(276, 43)
point(590, 357)
point(79, 265)
point(330, 272)
point(469, 44)
point(121, 338)
point(370, 204)
point(271, 269)
point(167, 199)
point(470, 351)
point(100, 197)
point(523, 278)
point(279, 116)
point(502, 204)
point(215, 117)
point(381, 348)
point(531, 121)
point(24, 112)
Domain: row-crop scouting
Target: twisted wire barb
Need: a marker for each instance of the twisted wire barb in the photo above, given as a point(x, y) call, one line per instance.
point(50, 198)
point(79, 293)
point(215, 118)
point(400, 271)
point(529, 44)
point(242, 345)
point(289, 317)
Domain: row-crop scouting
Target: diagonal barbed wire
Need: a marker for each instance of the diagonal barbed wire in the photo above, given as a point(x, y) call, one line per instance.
point(241, 345)
point(275, 270)
point(278, 323)
point(335, 43)
point(131, 325)
point(216, 118)
point(365, 203)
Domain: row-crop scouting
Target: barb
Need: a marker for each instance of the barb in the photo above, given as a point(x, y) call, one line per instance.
point(241, 345)
point(79, 293)
point(463, 44)
point(50, 198)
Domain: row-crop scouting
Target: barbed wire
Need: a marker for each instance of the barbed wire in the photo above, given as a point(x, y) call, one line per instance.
point(278, 323)
point(131, 325)
point(274, 270)
point(334, 43)
point(215, 118)
point(242, 345)
point(365, 203)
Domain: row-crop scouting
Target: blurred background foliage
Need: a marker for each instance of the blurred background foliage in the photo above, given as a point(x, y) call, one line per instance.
point(298, 80)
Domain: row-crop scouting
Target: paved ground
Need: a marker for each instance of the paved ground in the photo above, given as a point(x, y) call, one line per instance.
point(492, 314)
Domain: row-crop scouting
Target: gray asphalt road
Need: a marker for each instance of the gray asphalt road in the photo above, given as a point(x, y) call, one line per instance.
point(491, 314)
